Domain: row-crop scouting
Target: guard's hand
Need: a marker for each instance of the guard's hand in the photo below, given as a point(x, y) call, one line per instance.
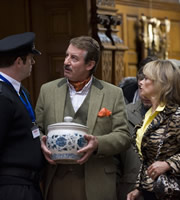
point(133, 195)
point(89, 149)
point(157, 168)
point(46, 152)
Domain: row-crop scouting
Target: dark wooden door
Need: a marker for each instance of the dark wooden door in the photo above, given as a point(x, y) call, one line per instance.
point(55, 22)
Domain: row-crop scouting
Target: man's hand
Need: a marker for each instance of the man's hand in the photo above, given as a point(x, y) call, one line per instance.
point(46, 152)
point(89, 149)
point(133, 195)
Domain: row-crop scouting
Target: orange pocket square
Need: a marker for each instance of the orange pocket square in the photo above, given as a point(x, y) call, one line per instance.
point(104, 112)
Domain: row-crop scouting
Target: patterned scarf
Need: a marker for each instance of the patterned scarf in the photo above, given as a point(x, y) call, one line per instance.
point(79, 85)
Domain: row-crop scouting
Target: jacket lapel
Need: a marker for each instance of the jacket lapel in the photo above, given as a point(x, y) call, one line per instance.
point(96, 98)
point(134, 116)
point(59, 100)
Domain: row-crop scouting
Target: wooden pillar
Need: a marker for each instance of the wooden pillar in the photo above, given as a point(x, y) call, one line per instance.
point(104, 22)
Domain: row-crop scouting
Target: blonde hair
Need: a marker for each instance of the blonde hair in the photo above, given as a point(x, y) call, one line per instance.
point(166, 77)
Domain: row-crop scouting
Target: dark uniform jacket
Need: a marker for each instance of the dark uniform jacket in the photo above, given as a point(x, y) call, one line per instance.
point(18, 148)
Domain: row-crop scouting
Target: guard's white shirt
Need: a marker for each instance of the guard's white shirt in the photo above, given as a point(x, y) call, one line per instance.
point(15, 84)
point(77, 98)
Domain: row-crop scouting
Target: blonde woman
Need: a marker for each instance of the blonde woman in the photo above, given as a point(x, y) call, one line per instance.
point(161, 85)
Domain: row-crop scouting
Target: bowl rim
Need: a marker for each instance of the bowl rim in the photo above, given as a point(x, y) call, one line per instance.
point(67, 125)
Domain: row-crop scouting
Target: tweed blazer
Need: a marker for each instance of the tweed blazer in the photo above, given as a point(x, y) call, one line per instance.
point(111, 132)
point(169, 152)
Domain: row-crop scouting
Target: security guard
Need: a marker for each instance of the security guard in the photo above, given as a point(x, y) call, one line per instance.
point(21, 159)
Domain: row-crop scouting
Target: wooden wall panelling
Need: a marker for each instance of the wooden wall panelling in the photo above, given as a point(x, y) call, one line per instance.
point(174, 17)
point(118, 52)
point(52, 24)
point(106, 23)
point(16, 18)
point(121, 27)
point(155, 4)
point(59, 28)
point(131, 12)
point(132, 43)
point(100, 18)
point(174, 45)
point(123, 35)
point(106, 65)
point(59, 23)
point(56, 63)
point(129, 36)
point(55, 23)
point(29, 82)
point(119, 66)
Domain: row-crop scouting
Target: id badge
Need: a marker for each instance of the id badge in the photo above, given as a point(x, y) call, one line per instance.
point(35, 131)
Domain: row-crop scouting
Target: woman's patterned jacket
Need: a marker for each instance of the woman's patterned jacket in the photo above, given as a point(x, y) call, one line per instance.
point(170, 150)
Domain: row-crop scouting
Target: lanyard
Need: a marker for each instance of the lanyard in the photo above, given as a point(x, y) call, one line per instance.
point(27, 105)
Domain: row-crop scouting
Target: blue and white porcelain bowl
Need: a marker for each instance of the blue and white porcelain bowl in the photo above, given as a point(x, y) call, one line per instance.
point(65, 139)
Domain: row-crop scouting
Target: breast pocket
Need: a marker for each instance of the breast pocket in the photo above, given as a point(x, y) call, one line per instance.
point(103, 125)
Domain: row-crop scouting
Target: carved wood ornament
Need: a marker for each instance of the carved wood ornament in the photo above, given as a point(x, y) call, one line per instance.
point(154, 36)
point(105, 31)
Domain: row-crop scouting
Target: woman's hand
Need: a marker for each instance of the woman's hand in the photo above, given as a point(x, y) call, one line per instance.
point(133, 195)
point(157, 168)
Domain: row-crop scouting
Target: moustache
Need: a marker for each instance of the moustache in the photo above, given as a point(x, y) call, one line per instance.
point(67, 67)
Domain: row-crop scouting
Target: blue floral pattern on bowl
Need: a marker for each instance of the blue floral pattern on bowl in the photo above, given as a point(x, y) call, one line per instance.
point(81, 142)
point(61, 141)
point(66, 146)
